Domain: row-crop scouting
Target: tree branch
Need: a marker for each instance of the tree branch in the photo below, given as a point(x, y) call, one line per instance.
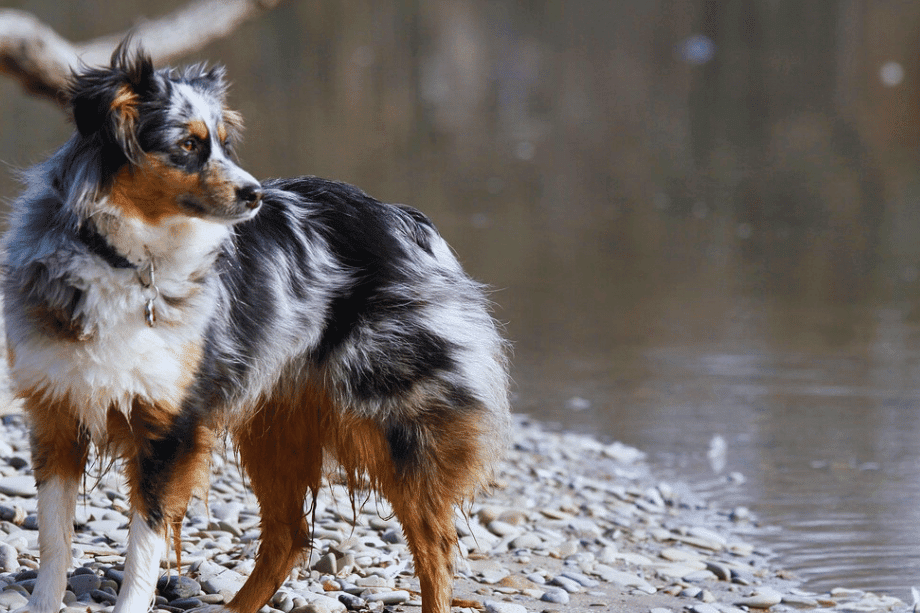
point(42, 61)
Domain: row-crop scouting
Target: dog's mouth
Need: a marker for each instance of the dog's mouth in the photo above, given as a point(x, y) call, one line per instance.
point(237, 211)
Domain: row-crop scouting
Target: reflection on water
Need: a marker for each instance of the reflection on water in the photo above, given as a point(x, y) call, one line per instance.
point(826, 441)
point(701, 218)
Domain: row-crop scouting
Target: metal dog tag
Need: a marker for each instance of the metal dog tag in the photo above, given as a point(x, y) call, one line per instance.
point(150, 313)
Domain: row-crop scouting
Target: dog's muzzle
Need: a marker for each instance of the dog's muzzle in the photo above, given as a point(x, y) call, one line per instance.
point(250, 195)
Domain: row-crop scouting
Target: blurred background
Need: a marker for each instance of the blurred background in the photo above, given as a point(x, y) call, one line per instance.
point(700, 218)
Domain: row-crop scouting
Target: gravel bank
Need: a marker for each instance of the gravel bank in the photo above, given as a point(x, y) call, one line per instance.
point(573, 525)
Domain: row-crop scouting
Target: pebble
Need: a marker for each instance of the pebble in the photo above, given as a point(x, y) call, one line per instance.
point(178, 587)
point(703, 608)
point(19, 485)
point(103, 596)
point(504, 607)
point(802, 602)
point(326, 565)
point(11, 599)
point(187, 603)
point(555, 595)
point(580, 578)
point(567, 584)
point(351, 602)
point(84, 583)
point(8, 558)
point(529, 540)
point(699, 575)
point(387, 598)
point(572, 521)
point(721, 571)
point(761, 599)
point(500, 528)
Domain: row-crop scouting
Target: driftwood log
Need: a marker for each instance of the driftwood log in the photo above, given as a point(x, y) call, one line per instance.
point(41, 60)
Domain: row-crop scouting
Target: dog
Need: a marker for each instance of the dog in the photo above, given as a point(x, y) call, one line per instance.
point(158, 297)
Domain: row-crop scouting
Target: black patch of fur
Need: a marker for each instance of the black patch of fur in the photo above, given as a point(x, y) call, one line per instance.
point(160, 457)
point(400, 365)
point(92, 94)
point(407, 446)
point(50, 301)
point(358, 230)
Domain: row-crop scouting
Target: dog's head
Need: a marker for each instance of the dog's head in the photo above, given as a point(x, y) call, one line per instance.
point(164, 139)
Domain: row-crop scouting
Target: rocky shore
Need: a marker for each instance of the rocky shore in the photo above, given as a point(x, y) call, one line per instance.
point(572, 525)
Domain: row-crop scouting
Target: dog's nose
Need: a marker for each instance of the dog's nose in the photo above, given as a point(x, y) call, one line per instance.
point(251, 195)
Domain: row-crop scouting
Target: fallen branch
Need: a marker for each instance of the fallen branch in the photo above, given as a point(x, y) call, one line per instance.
point(42, 60)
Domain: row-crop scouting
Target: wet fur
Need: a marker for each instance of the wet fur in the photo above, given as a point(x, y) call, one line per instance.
point(301, 316)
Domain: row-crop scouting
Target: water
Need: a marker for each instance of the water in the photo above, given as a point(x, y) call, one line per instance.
point(827, 444)
point(815, 400)
point(700, 220)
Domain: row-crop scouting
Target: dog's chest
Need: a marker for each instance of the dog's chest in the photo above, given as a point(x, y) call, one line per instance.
point(117, 356)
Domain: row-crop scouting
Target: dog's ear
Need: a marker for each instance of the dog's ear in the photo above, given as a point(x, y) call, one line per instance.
point(106, 101)
point(211, 80)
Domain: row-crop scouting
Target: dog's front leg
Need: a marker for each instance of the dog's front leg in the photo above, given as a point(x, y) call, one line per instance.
point(146, 546)
point(60, 446)
point(170, 462)
point(56, 501)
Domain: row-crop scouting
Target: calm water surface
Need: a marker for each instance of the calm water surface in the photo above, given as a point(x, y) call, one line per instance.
point(825, 436)
point(816, 401)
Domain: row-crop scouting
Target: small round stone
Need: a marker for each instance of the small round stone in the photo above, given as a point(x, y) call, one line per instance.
point(555, 595)
point(567, 584)
point(179, 587)
point(761, 599)
point(11, 600)
point(8, 558)
point(504, 607)
point(388, 598)
point(18, 485)
point(527, 541)
point(186, 603)
point(103, 596)
point(352, 602)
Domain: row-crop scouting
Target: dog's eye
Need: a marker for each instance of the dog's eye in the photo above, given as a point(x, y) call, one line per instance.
point(189, 145)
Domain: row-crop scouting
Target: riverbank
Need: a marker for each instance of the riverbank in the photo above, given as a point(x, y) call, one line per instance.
point(572, 525)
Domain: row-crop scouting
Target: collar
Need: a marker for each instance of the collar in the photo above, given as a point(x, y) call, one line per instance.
point(98, 246)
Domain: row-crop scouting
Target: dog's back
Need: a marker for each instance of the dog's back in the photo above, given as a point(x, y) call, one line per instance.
point(155, 295)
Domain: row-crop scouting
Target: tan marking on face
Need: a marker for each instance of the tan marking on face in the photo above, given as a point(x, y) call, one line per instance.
point(222, 132)
point(151, 191)
point(198, 129)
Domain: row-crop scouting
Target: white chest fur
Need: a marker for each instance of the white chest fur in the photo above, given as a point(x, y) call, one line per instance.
point(120, 357)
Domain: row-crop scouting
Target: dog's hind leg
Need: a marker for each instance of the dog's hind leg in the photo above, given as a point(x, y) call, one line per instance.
point(427, 518)
point(59, 452)
point(425, 468)
point(280, 449)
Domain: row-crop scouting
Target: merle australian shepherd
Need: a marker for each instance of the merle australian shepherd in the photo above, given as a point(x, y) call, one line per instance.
point(157, 296)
